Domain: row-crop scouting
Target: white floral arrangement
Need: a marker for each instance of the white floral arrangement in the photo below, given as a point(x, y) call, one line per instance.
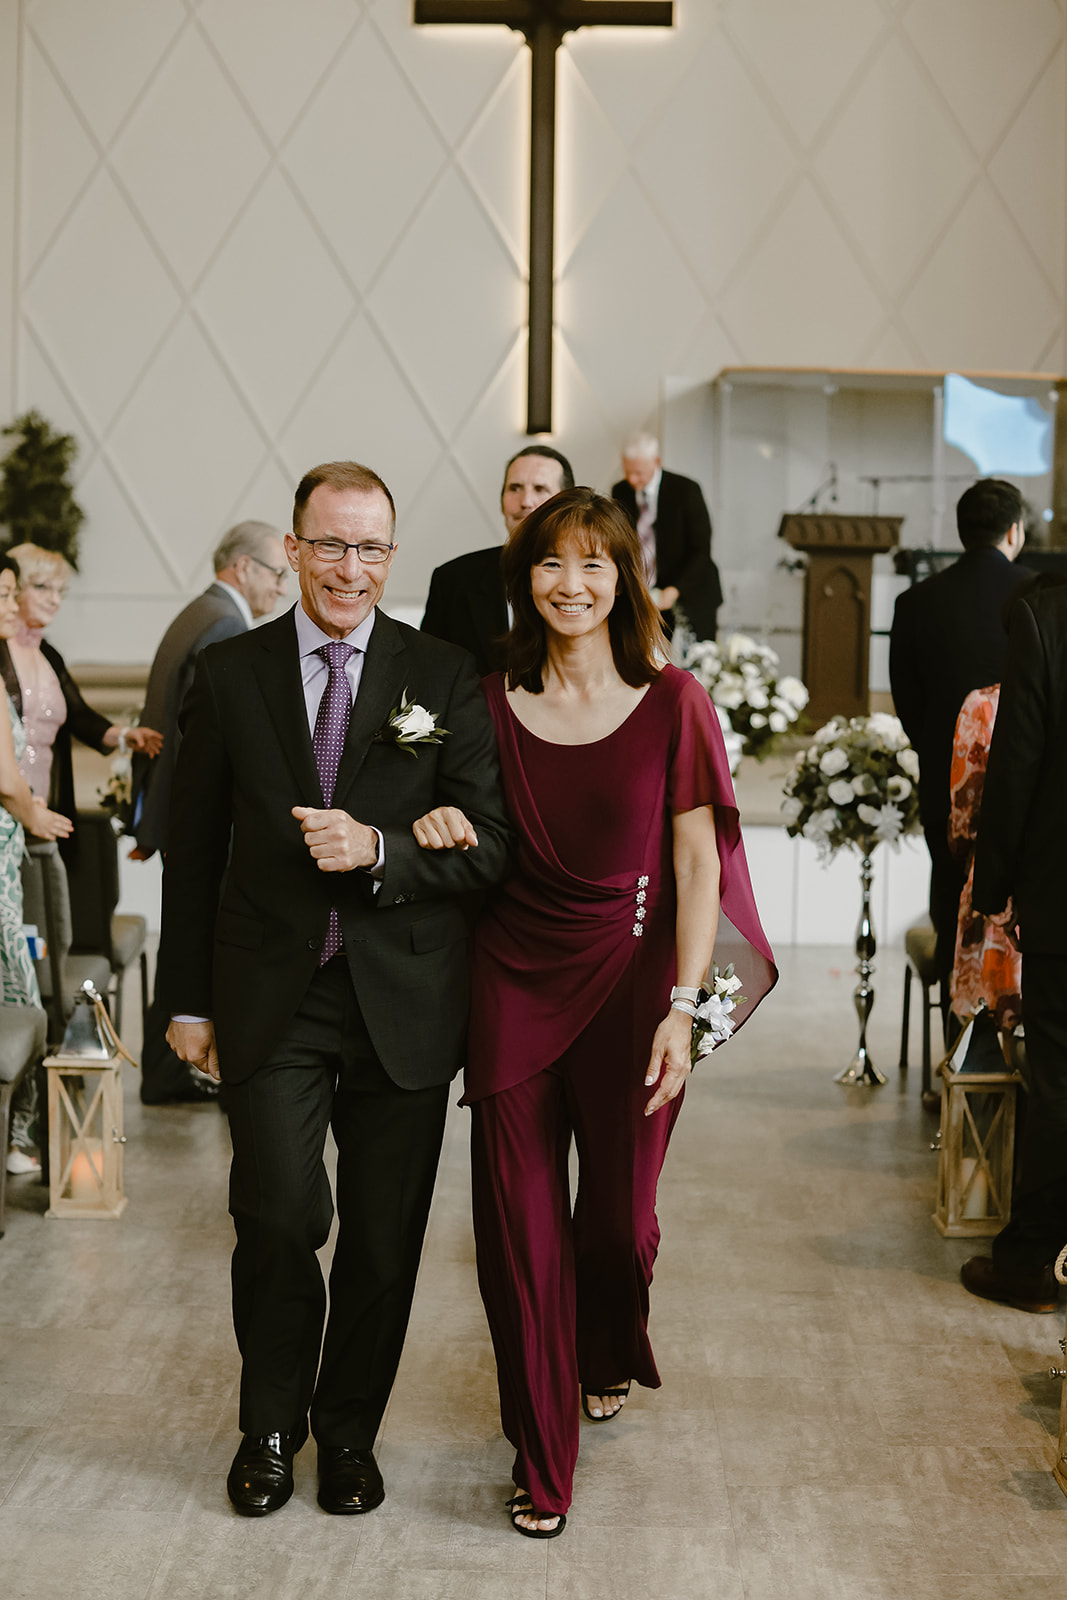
point(742, 678)
point(855, 786)
point(409, 724)
point(713, 1023)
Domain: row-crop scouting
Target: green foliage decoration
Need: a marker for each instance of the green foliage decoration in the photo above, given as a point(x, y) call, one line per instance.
point(37, 504)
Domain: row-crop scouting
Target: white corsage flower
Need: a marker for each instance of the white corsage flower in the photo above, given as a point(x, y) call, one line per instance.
point(910, 763)
point(840, 792)
point(410, 724)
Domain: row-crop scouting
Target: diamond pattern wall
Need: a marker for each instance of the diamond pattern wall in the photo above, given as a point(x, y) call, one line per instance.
point(250, 235)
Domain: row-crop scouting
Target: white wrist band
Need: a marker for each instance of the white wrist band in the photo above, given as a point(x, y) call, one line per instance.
point(684, 1005)
point(679, 992)
point(120, 744)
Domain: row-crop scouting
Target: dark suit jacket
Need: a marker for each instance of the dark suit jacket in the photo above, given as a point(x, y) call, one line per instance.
point(948, 638)
point(467, 606)
point(1022, 841)
point(212, 616)
point(683, 548)
point(245, 908)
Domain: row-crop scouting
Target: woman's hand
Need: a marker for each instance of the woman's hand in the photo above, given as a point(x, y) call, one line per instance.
point(445, 828)
point(49, 824)
point(669, 1063)
point(145, 740)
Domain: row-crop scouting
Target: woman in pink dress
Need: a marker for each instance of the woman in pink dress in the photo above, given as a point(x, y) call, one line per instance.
point(585, 975)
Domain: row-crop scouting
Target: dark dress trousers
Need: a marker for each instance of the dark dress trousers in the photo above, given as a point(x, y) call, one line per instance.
point(683, 548)
point(467, 606)
point(211, 617)
point(948, 638)
point(367, 1044)
point(1022, 852)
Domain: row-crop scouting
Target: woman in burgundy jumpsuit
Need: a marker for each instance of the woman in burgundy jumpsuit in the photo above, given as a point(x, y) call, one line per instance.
point(619, 790)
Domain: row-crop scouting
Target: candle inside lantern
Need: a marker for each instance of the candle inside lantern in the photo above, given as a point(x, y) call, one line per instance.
point(977, 1201)
point(87, 1172)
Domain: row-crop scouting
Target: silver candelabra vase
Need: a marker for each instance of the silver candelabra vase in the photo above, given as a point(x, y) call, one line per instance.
point(861, 1068)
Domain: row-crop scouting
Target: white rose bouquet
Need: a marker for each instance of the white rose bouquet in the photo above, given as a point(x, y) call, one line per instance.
point(742, 678)
point(855, 786)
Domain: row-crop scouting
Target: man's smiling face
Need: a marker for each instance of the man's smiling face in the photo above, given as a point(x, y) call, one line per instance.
point(337, 595)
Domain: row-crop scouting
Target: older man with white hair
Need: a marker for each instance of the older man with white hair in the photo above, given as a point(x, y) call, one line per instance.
point(251, 574)
point(674, 527)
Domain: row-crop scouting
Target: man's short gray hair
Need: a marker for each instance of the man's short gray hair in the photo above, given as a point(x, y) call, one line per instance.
point(246, 539)
point(641, 447)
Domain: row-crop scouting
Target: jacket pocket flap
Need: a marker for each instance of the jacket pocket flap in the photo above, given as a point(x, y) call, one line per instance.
point(232, 928)
point(434, 933)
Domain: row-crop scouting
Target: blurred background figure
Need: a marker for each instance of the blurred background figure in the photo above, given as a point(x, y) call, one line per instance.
point(45, 695)
point(20, 812)
point(251, 573)
point(674, 528)
point(466, 604)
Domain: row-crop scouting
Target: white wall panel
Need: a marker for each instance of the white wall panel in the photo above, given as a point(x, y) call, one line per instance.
point(248, 235)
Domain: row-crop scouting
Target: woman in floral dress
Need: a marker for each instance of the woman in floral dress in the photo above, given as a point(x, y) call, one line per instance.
point(18, 810)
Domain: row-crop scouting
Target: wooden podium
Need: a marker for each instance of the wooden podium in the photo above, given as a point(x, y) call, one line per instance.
point(837, 605)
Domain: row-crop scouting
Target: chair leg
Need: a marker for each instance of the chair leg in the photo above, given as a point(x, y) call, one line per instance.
point(926, 1039)
point(906, 1019)
point(117, 980)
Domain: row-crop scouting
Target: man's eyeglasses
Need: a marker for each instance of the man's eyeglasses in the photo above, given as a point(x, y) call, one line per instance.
point(279, 573)
point(371, 555)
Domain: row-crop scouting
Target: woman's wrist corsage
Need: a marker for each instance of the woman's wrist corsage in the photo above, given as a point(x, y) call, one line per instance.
point(712, 1024)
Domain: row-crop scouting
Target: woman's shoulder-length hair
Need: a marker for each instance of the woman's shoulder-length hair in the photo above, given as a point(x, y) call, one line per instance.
point(638, 643)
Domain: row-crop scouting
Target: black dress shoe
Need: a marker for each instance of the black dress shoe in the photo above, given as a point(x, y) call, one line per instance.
point(349, 1480)
point(261, 1478)
point(1030, 1289)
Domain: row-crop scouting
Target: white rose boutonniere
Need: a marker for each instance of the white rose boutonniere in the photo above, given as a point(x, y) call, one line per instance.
point(410, 724)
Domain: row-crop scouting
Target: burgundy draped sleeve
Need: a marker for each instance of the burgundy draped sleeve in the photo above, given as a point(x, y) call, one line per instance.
point(588, 917)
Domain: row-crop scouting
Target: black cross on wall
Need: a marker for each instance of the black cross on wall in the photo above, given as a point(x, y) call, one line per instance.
point(544, 23)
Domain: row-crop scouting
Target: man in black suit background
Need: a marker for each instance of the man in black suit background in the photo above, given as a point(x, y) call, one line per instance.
point(466, 604)
point(315, 957)
point(948, 638)
point(673, 524)
point(1022, 854)
point(251, 573)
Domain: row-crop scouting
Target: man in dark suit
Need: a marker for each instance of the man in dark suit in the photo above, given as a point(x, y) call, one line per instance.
point(467, 604)
point(1022, 854)
point(251, 573)
point(673, 525)
point(316, 958)
point(948, 638)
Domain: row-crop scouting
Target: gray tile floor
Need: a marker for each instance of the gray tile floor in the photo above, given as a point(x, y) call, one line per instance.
point(838, 1418)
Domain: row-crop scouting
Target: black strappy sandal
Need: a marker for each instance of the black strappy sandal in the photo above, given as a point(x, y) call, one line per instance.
point(522, 1506)
point(622, 1390)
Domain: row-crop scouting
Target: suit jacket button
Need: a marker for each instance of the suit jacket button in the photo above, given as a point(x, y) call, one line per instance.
point(314, 944)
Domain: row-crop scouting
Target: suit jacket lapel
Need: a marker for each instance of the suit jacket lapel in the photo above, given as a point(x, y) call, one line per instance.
point(283, 692)
point(381, 686)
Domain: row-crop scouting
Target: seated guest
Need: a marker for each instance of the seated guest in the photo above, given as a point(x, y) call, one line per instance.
point(19, 810)
point(467, 604)
point(46, 696)
point(988, 966)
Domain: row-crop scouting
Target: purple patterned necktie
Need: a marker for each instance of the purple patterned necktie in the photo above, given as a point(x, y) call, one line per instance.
point(646, 532)
point(328, 740)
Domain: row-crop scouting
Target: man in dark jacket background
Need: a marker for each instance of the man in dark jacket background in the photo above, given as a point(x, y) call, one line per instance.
point(948, 638)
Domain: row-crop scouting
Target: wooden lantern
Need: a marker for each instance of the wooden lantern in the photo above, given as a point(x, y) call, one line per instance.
point(85, 1137)
point(977, 1149)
